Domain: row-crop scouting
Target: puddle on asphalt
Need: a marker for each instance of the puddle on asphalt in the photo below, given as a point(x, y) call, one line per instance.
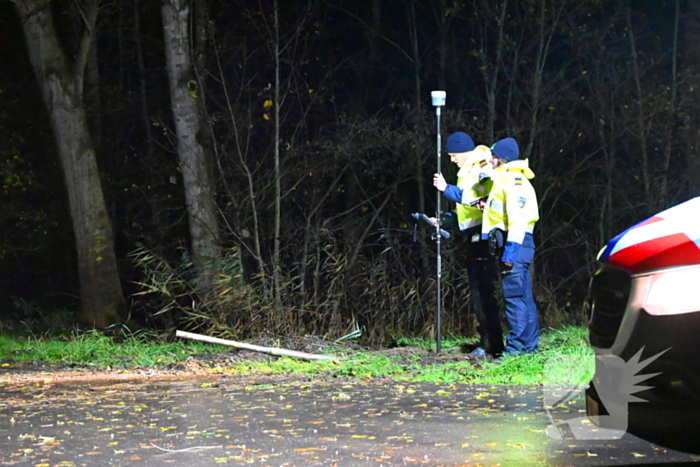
point(216, 420)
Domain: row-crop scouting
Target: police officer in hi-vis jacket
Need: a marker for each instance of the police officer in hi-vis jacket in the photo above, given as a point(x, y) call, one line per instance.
point(473, 184)
point(509, 220)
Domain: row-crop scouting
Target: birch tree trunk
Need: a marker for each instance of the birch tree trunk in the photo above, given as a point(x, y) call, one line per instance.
point(102, 301)
point(192, 143)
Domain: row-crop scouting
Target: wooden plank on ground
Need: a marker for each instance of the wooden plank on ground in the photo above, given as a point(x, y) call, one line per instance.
point(255, 348)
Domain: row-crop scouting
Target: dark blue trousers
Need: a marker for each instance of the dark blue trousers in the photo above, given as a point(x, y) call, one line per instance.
point(482, 271)
point(521, 311)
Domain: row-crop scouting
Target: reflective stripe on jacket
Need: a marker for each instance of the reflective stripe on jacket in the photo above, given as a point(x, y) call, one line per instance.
point(474, 179)
point(512, 203)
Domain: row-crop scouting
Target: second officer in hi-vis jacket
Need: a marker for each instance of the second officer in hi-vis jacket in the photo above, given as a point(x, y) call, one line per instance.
point(509, 221)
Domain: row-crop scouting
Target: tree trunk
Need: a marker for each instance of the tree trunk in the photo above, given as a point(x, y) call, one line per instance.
point(145, 119)
point(62, 90)
point(691, 95)
point(418, 161)
point(491, 80)
point(276, 278)
point(192, 143)
point(668, 139)
point(545, 33)
point(642, 127)
point(371, 74)
point(93, 101)
point(442, 47)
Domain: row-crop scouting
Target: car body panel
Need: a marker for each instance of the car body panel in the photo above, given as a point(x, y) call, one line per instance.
point(668, 239)
point(645, 304)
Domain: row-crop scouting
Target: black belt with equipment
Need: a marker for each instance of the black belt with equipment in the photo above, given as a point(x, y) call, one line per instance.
point(497, 241)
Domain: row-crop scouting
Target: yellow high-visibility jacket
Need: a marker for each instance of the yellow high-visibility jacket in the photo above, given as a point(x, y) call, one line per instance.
point(473, 182)
point(511, 206)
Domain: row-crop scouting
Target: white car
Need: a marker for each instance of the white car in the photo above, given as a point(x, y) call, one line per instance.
point(645, 310)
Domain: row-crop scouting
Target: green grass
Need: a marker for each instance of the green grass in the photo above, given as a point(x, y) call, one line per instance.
point(565, 359)
point(94, 349)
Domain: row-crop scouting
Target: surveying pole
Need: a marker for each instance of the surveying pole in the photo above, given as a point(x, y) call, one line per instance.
point(438, 98)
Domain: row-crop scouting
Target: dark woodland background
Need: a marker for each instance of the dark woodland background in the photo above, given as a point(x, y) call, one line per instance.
point(602, 97)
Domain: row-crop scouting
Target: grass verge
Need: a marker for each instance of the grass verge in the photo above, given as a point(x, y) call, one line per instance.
point(565, 359)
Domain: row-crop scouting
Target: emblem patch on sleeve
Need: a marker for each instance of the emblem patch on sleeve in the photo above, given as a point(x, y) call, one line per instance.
point(521, 202)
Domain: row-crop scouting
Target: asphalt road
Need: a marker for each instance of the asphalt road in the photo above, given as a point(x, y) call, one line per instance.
point(208, 421)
